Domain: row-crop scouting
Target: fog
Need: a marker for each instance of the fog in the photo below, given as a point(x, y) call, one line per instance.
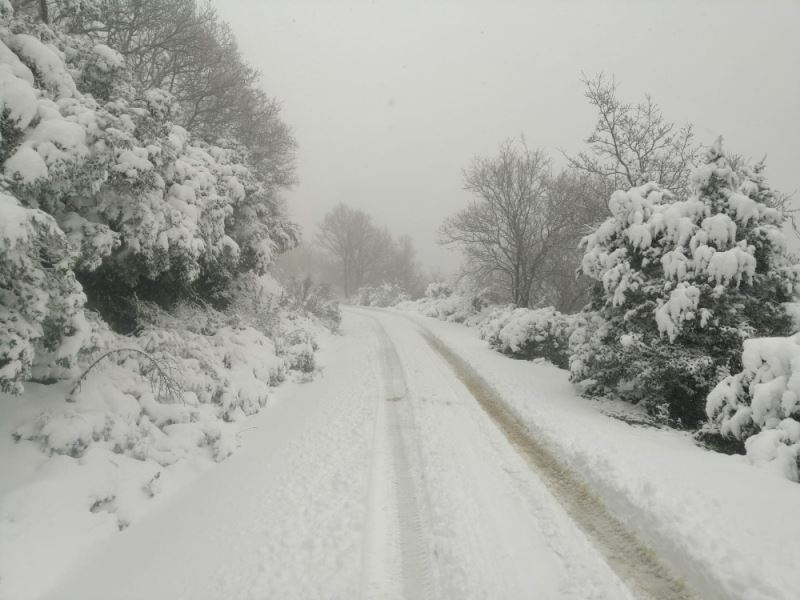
point(390, 100)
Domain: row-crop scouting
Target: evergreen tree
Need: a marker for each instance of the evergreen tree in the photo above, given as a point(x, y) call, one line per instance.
point(680, 285)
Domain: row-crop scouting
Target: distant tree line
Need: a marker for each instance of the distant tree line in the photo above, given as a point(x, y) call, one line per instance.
point(365, 254)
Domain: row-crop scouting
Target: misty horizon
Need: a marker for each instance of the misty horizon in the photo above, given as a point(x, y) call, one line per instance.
point(389, 102)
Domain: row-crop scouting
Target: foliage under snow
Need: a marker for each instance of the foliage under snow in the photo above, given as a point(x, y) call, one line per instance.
point(449, 303)
point(385, 294)
point(761, 404)
point(530, 333)
point(99, 186)
point(681, 284)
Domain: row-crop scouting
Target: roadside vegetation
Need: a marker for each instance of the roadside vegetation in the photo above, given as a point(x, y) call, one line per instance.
point(655, 269)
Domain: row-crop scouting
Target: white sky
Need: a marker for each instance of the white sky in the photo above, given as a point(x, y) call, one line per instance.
point(390, 100)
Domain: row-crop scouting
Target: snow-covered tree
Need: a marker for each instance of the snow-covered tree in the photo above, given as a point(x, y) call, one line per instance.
point(41, 316)
point(681, 284)
point(101, 178)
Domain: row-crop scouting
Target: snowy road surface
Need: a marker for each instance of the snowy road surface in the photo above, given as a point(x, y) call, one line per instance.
point(386, 477)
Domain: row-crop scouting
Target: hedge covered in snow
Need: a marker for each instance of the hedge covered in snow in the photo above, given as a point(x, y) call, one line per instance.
point(530, 333)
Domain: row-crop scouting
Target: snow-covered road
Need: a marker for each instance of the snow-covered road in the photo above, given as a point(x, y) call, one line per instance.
point(384, 478)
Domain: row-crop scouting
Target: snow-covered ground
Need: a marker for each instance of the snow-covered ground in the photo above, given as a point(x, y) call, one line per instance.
point(385, 478)
point(723, 524)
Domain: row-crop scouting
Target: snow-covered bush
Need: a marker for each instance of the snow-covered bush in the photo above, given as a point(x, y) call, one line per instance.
point(681, 284)
point(761, 404)
point(530, 333)
point(314, 299)
point(42, 323)
point(383, 295)
point(105, 197)
point(450, 303)
point(223, 371)
point(438, 289)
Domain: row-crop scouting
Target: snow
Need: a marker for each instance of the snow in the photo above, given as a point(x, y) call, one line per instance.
point(14, 219)
point(27, 164)
point(17, 97)
point(703, 510)
point(12, 61)
point(745, 208)
point(681, 306)
point(721, 230)
point(132, 162)
point(108, 58)
point(46, 62)
point(290, 515)
point(122, 445)
point(58, 140)
point(732, 265)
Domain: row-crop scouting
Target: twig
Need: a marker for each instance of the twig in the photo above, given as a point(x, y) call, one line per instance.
point(162, 383)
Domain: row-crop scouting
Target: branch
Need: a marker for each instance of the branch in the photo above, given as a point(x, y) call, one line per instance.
point(162, 383)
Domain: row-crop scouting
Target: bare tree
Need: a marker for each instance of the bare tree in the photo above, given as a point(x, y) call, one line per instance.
point(402, 267)
point(352, 239)
point(510, 227)
point(633, 143)
point(560, 282)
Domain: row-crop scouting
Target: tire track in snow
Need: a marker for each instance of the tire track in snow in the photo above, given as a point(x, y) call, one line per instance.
point(636, 564)
point(396, 554)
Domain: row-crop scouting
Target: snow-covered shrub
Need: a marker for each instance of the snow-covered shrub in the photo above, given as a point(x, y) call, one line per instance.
point(761, 404)
point(530, 333)
point(317, 300)
point(298, 347)
point(151, 209)
point(493, 320)
point(224, 370)
point(42, 323)
point(293, 317)
point(450, 303)
point(681, 284)
point(438, 289)
point(383, 295)
point(258, 300)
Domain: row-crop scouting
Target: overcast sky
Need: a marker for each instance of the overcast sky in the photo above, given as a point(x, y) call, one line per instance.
point(390, 100)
